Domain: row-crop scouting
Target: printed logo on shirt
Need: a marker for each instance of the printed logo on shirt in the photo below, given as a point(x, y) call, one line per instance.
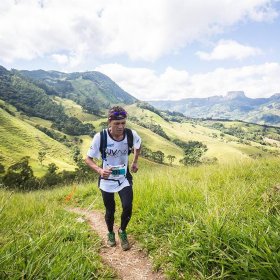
point(116, 153)
point(110, 145)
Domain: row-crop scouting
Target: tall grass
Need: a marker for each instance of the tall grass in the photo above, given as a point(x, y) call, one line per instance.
point(206, 222)
point(40, 240)
point(212, 221)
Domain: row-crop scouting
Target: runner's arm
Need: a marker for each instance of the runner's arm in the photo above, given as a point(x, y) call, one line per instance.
point(134, 165)
point(104, 173)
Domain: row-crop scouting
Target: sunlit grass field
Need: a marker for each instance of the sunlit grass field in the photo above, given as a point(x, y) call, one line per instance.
point(19, 139)
point(205, 222)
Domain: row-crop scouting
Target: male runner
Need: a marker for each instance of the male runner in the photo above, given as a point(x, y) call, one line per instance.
point(114, 173)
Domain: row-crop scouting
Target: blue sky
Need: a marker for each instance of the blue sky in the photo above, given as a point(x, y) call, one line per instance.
point(156, 49)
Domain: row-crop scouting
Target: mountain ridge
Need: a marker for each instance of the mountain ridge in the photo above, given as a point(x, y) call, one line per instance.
point(66, 112)
point(235, 105)
point(66, 83)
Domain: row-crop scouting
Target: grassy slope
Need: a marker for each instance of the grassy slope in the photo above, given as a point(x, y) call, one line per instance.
point(222, 149)
point(72, 109)
point(89, 87)
point(40, 240)
point(195, 222)
point(208, 221)
point(18, 139)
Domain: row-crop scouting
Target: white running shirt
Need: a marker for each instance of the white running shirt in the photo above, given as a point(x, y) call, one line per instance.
point(116, 155)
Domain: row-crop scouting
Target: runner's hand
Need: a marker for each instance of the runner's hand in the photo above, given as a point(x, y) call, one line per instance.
point(105, 173)
point(134, 167)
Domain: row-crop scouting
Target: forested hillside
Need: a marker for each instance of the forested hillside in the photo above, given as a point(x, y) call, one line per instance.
point(92, 90)
point(33, 99)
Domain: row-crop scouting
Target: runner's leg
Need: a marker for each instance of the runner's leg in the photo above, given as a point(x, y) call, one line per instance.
point(109, 203)
point(126, 196)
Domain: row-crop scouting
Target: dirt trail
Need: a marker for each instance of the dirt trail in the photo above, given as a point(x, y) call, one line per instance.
point(131, 264)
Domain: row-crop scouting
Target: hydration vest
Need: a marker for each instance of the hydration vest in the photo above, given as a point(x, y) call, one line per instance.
point(103, 141)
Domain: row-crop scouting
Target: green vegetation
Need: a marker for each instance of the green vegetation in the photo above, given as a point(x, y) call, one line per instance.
point(92, 90)
point(19, 139)
point(196, 222)
point(193, 151)
point(40, 240)
point(31, 97)
point(20, 176)
point(217, 221)
point(156, 128)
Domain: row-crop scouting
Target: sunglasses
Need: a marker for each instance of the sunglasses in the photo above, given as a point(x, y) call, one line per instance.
point(117, 114)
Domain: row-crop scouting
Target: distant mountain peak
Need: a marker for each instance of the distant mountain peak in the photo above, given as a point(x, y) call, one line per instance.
point(275, 96)
point(235, 94)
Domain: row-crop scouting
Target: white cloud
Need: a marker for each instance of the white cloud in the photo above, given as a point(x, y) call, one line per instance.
point(60, 58)
point(142, 30)
point(136, 81)
point(256, 81)
point(229, 49)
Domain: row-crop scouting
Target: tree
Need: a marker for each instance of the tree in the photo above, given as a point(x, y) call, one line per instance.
point(193, 152)
point(51, 178)
point(19, 175)
point(146, 152)
point(103, 125)
point(158, 156)
point(171, 159)
point(76, 153)
point(52, 167)
point(41, 156)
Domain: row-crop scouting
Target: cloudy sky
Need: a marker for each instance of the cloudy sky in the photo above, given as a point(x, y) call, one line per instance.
point(153, 49)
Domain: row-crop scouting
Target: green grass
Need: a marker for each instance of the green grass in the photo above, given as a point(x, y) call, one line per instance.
point(218, 221)
point(19, 139)
point(38, 121)
point(208, 222)
point(223, 149)
point(72, 109)
point(41, 240)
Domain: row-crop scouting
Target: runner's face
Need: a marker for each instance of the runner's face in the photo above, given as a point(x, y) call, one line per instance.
point(117, 127)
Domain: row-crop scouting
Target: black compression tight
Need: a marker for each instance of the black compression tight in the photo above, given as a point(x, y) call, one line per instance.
point(126, 196)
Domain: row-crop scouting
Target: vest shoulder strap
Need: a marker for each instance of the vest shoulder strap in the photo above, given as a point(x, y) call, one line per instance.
point(129, 139)
point(103, 143)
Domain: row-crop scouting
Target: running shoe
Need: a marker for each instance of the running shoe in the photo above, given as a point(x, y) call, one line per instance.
point(111, 239)
point(123, 239)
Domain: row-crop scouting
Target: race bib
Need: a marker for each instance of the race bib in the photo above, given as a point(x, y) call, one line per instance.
point(118, 171)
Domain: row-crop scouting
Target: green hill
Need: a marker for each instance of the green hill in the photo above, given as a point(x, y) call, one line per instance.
point(208, 222)
point(195, 222)
point(92, 90)
point(34, 99)
point(19, 139)
point(49, 103)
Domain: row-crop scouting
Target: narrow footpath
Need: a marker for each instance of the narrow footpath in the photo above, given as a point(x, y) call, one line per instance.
point(130, 265)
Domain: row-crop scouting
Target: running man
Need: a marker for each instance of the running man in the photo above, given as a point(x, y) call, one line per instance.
point(114, 145)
